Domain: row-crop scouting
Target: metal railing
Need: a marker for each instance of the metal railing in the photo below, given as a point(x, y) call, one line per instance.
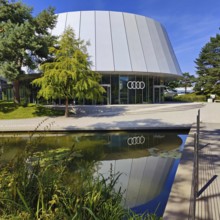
point(196, 165)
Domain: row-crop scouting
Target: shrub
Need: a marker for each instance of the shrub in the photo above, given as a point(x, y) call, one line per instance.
point(190, 98)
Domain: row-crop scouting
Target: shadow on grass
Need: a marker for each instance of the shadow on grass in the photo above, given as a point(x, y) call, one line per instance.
point(44, 111)
point(7, 107)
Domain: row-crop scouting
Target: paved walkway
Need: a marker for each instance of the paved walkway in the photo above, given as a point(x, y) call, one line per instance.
point(158, 116)
point(161, 116)
point(180, 204)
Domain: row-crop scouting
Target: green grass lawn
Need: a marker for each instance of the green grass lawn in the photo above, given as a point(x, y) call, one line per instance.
point(9, 110)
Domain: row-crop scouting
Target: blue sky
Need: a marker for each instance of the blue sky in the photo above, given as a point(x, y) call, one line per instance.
point(189, 23)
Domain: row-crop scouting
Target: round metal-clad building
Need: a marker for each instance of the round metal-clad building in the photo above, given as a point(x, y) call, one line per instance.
point(132, 52)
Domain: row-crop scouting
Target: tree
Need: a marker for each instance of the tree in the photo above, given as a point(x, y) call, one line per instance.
point(186, 80)
point(208, 67)
point(68, 75)
point(24, 40)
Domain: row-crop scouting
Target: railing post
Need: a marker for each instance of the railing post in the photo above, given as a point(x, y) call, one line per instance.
point(196, 165)
point(195, 187)
point(197, 148)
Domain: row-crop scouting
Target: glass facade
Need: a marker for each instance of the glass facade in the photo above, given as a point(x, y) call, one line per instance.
point(120, 89)
point(132, 89)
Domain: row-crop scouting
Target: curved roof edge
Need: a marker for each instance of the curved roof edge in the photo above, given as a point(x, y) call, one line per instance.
point(121, 41)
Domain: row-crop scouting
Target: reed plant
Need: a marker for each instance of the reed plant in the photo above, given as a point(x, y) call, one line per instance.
point(59, 186)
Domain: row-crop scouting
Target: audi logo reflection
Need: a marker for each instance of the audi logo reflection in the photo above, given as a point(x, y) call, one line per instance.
point(136, 140)
point(135, 85)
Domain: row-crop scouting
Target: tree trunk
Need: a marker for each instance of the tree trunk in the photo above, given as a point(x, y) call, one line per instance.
point(16, 91)
point(66, 108)
point(185, 88)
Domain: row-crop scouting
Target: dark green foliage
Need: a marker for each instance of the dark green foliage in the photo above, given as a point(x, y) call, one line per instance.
point(7, 107)
point(172, 84)
point(190, 98)
point(186, 80)
point(24, 39)
point(208, 67)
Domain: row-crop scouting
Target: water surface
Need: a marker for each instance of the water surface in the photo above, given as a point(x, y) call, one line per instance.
point(147, 161)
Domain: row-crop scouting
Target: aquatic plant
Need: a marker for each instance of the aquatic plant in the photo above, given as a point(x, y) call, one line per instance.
point(59, 184)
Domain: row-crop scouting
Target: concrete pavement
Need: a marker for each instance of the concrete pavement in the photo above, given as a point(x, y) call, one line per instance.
point(158, 116)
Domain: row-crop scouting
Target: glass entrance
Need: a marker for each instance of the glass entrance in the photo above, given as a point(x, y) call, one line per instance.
point(107, 95)
point(158, 96)
point(123, 90)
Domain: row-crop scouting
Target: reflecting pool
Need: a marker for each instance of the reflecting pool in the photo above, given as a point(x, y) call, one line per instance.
point(147, 161)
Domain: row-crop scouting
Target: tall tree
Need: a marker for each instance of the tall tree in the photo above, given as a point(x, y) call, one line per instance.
point(24, 39)
point(208, 67)
point(186, 80)
point(69, 75)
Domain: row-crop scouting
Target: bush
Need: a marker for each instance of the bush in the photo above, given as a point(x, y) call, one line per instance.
point(193, 97)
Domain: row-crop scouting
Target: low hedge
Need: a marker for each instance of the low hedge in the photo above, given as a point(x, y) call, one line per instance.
point(190, 98)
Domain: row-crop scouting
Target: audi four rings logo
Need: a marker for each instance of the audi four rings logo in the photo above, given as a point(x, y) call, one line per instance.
point(136, 140)
point(136, 85)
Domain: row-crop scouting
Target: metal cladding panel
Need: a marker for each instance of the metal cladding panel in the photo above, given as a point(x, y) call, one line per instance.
point(119, 41)
point(118, 166)
point(148, 49)
point(166, 51)
point(104, 53)
point(149, 172)
point(135, 179)
point(61, 25)
point(177, 67)
point(122, 42)
point(134, 43)
point(156, 41)
point(73, 21)
point(87, 33)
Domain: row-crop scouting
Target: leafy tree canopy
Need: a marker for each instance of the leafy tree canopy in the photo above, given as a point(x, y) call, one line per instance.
point(186, 80)
point(24, 39)
point(208, 67)
point(68, 74)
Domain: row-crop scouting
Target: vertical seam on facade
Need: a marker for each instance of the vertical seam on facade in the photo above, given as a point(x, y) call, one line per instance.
point(162, 46)
point(111, 40)
point(173, 55)
point(135, 91)
point(119, 92)
point(153, 45)
point(140, 42)
point(127, 43)
point(95, 41)
point(80, 17)
point(143, 90)
point(169, 59)
point(66, 20)
point(129, 179)
point(110, 80)
point(142, 176)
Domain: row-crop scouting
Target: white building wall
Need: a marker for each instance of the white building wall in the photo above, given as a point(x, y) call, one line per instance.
point(122, 42)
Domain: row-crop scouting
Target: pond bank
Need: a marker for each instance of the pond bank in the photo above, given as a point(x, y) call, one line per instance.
point(179, 205)
point(157, 116)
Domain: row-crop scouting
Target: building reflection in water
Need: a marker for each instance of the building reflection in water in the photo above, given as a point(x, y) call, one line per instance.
point(147, 161)
point(146, 180)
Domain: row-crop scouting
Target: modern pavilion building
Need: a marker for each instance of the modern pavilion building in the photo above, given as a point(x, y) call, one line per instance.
point(132, 52)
